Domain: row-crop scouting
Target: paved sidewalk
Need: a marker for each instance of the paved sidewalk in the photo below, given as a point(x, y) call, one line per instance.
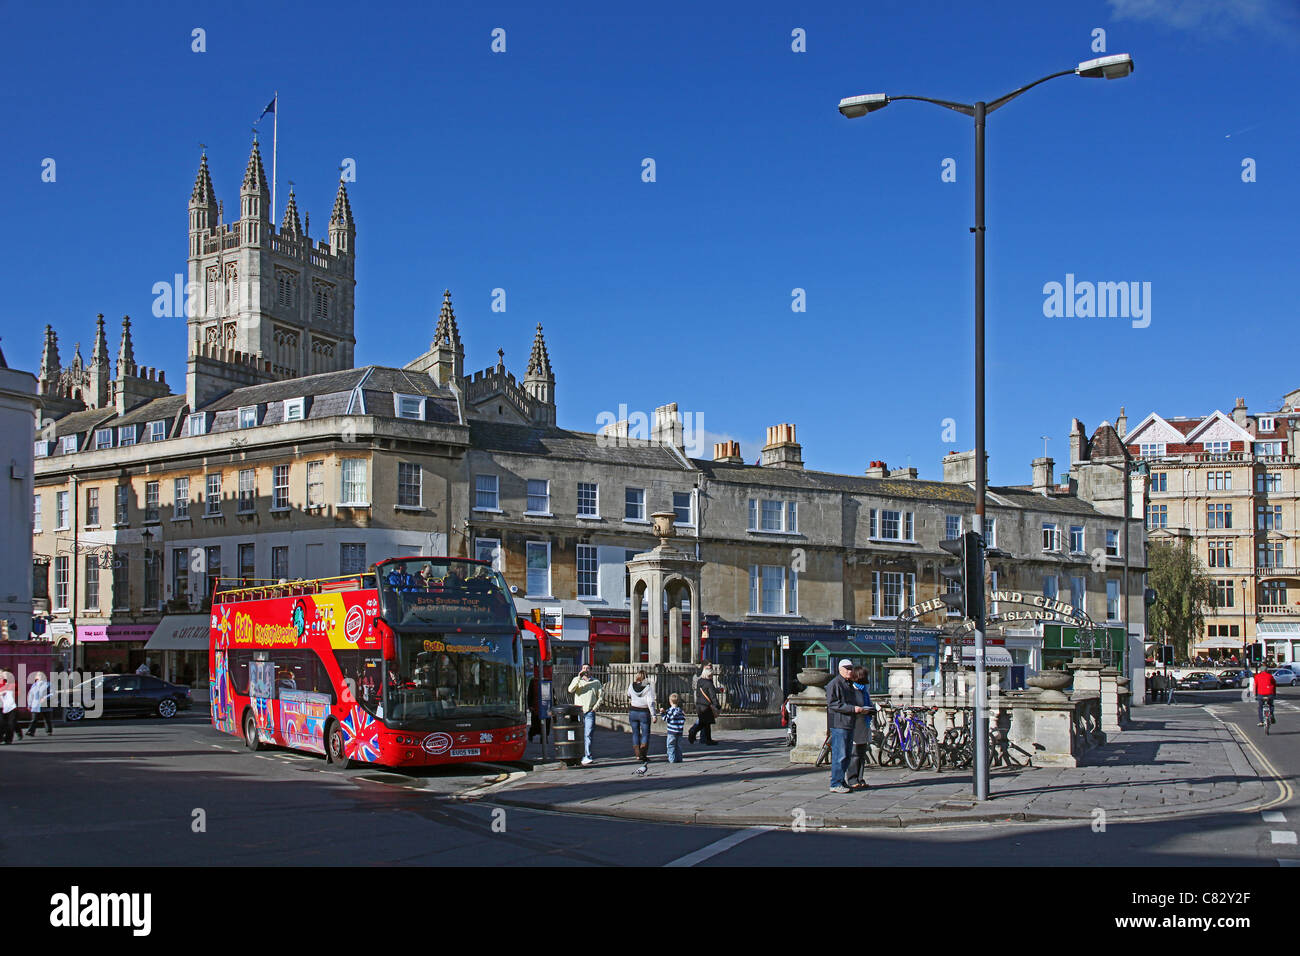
point(1173, 760)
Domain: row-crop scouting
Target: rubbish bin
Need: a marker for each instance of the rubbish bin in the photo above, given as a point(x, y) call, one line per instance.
point(567, 727)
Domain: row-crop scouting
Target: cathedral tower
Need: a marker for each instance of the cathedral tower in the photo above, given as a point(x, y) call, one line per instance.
point(267, 304)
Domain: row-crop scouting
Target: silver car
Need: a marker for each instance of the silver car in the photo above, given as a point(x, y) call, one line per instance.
point(1285, 676)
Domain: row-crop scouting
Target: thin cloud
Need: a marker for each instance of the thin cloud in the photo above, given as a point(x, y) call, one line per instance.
point(1216, 16)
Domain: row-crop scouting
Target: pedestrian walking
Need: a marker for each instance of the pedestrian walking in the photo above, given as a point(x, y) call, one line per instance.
point(854, 778)
point(587, 693)
point(535, 728)
point(706, 707)
point(8, 708)
point(842, 710)
point(674, 723)
point(38, 703)
point(641, 706)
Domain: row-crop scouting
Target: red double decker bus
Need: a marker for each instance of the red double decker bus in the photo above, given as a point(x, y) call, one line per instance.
point(417, 661)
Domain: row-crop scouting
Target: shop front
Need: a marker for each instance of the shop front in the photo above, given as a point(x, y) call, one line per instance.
point(1281, 640)
point(1061, 646)
point(179, 648)
point(116, 648)
point(567, 625)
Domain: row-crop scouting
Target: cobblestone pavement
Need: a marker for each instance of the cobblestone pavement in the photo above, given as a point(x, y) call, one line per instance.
point(1175, 759)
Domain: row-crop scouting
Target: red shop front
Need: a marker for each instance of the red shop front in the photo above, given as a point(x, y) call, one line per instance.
point(609, 644)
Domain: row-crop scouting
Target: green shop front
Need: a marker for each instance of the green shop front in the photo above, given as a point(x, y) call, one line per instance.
point(1061, 646)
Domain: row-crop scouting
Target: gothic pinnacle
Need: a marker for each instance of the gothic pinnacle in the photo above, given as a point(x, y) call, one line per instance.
point(203, 193)
point(539, 362)
point(342, 214)
point(254, 174)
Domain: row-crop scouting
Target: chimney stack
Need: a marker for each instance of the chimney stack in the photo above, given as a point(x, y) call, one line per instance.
point(667, 427)
point(877, 469)
point(1239, 412)
point(727, 452)
point(1121, 424)
point(959, 467)
point(1078, 442)
point(781, 450)
point(1043, 478)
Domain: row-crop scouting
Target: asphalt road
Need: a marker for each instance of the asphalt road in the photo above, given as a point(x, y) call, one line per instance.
point(177, 793)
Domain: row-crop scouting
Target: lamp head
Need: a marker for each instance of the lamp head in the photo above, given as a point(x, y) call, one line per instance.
point(855, 106)
point(1111, 67)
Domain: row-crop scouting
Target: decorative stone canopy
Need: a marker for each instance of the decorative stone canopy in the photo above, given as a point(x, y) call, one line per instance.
point(659, 572)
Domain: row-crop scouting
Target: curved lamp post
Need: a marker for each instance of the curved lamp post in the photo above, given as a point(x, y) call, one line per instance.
point(1106, 67)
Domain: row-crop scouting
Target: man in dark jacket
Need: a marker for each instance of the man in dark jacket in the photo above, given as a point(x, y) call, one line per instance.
point(842, 706)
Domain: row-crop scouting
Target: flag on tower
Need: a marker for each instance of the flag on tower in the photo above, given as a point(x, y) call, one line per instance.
point(270, 108)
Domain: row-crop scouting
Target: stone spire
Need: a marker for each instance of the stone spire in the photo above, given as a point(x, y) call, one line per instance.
point(50, 366)
point(446, 332)
point(98, 392)
point(448, 353)
point(539, 381)
point(203, 194)
point(289, 224)
point(254, 174)
point(342, 230)
point(125, 352)
point(539, 362)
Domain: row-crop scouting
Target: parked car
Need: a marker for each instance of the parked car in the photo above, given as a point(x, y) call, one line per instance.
point(1234, 678)
point(123, 695)
point(1286, 676)
point(1199, 680)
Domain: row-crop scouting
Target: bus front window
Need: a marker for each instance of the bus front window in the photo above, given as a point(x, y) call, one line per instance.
point(441, 677)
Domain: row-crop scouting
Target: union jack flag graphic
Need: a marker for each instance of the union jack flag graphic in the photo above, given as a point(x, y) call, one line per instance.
point(262, 715)
point(360, 736)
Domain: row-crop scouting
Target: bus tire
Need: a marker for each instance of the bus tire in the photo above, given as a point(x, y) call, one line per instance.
point(250, 732)
point(335, 752)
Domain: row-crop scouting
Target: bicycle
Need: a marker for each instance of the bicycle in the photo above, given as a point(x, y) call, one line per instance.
point(908, 738)
point(1269, 720)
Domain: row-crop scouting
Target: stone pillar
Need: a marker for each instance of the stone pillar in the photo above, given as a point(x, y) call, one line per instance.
point(1043, 729)
point(903, 673)
point(675, 627)
point(1087, 675)
point(810, 717)
point(655, 598)
point(634, 625)
point(1110, 700)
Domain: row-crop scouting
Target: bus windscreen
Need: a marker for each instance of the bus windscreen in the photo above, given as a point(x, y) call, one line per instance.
point(444, 593)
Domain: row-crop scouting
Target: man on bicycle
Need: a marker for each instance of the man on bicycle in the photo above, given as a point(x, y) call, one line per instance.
point(1265, 690)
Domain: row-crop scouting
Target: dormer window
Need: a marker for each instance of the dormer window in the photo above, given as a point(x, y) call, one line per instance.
point(157, 431)
point(126, 435)
point(103, 438)
point(410, 406)
point(198, 424)
point(1265, 425)
point(248, 416)
point(42, 449)
point(69, 444)
point(294, 409)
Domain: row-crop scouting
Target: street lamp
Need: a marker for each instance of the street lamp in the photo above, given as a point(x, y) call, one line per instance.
point(1107, 67)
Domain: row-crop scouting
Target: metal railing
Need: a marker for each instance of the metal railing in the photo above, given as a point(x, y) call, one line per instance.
point(741, 690)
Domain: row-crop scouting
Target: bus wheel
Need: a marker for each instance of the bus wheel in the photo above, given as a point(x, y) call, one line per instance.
point(250, 732)
point(335, 748)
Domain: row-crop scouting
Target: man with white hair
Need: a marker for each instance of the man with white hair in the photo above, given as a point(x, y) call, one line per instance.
point(843, 704)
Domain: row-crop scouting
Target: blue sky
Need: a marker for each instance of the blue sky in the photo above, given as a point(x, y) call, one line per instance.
point(522, 170)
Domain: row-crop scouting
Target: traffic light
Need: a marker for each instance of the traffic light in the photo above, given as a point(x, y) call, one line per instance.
point(1149, 596)
point(1255, 653)
point(1166, 653)
point(968, 573)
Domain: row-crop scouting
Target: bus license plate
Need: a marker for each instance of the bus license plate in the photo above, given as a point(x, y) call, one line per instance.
point(466, 752)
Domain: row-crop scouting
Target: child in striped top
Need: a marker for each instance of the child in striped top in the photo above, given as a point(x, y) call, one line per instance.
point(675, 721)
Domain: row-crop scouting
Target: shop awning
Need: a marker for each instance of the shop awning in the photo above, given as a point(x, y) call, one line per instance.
point(181, 632)
point(995, 655)
point(1231, 642)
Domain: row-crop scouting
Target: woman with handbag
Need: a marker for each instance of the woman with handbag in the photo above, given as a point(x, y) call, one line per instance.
point(706, 707)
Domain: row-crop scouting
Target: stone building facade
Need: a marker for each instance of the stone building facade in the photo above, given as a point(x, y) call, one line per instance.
point(1228, 485)
point(282, 460)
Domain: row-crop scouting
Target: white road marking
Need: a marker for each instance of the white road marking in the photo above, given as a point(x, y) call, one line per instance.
point(719, 846)
point(1284, 836)
point(1274, 816)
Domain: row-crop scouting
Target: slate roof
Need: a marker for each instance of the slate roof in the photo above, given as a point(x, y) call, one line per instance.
point(163, 409)
point(541, 441)
point(888, 488)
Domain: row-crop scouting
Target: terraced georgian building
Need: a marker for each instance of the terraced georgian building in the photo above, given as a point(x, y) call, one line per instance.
point(282, 460)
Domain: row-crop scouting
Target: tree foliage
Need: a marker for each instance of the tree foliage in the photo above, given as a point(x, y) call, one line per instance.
point(1184, 590)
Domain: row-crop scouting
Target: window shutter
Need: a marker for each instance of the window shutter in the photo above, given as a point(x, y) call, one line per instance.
point(753, 514)
point(873, 527)
point(875, 590)
point(792, 597)
point(792, 520)
point(753, 584)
